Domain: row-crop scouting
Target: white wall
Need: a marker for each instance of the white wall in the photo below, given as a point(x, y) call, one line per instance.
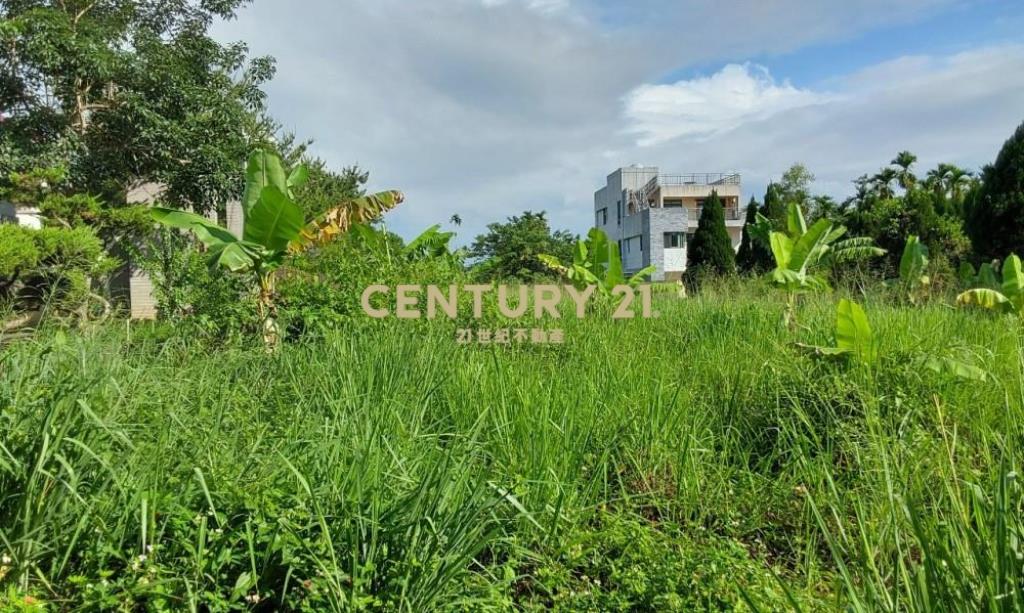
point(675, 259)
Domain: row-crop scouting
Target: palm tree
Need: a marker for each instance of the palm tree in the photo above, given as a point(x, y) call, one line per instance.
point(904, 160)
point(882, 182)
point(957, 180)
point(949, 180)
point(455, 220)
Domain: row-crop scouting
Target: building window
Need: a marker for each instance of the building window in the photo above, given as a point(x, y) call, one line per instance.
point(641, 243)
point(672, 203)
point(602, 217)
point(618, 210)
point(675, 240)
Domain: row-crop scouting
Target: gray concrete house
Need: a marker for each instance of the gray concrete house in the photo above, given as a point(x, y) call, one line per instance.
point(653, 215)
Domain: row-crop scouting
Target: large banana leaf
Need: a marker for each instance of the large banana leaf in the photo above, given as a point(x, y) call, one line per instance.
point(553, 263)
point(807, 248)
point(298, 177)
point(853, 333)
point(264, 168)
point(782, 247)
point(1013, 282)
point(597, 250)
point(206, 230)
point(913, 259)
point(638, 276)
point(274, 220)
point(225, 249)
point(856, 248)
point(795, 220)
point(233, 256)
point(613, 276)
point(338, 220)
point(984, 297)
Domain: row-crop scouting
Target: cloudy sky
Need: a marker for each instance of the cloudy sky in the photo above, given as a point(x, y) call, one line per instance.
point(486, 108)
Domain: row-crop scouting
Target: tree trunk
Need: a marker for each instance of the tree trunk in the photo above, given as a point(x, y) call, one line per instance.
point(268, 312)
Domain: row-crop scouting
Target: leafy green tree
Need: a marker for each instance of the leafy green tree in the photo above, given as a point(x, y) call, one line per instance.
point(753, 256)
point(274, 227)
point(710, 251)
point(509, 250)
point(126, 91)
point(995, 218)
point(795, 186)
point(324, 188)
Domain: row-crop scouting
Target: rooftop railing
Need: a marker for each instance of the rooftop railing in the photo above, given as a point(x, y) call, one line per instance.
point(707, 178)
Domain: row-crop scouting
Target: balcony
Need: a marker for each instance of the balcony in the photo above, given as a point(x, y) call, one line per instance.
point(732, 213)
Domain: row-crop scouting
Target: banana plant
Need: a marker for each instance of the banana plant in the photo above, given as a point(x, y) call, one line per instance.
point(802, 252)
point(274, 227)
point(853, 335)
point(913, 263)
point(1011, 297)
point(984, 276)
point(854, 339)
point(595, 261)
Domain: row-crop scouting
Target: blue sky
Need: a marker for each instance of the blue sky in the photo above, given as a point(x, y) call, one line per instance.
point(947, 30)
point(486, 108)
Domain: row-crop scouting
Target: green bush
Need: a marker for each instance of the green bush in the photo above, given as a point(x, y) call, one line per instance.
point(52, 267)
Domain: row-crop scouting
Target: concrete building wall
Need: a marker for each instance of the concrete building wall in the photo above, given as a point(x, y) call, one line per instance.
point(660, 221)
point(648, 225)
point(135, 286)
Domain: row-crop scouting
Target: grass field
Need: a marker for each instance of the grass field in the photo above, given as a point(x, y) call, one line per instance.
point(697, 460)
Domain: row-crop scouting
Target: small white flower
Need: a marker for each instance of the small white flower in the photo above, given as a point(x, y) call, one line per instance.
point(142, 557)
point(5, 559)
point(253, 598)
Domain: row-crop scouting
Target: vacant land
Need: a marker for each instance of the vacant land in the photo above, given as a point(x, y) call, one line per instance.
point(696, 460)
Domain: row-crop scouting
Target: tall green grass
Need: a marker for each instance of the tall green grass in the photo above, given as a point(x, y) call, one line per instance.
point(693, 460)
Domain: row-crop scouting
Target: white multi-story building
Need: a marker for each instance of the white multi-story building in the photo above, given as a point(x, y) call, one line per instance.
point(653, 215)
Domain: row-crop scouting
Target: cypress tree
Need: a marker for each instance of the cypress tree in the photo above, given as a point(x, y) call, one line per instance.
point(774, 208)
point(995, 218)
point(710, 251)
point(750, 257)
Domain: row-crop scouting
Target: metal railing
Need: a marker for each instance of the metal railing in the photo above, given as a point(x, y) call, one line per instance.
point(732, 213)
point(706, 178)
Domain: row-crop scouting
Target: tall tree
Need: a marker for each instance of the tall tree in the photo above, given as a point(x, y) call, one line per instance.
point(126, 91)
point(509, 250)
point(752, 256)
point(774, 208)
point(795, 186)
point(995, 218)
point(904, 176)
point(882, 182)
point(710, 251)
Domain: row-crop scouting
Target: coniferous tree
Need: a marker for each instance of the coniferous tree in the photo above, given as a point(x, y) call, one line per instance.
point(774, 208)
point(747, 256)
point(710, 251)
point(995, 217)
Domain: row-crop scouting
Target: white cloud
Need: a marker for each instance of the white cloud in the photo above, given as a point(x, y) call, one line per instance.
point(486, 110)
point(705, 106)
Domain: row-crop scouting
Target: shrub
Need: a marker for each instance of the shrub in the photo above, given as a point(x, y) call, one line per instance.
point(54, 267)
